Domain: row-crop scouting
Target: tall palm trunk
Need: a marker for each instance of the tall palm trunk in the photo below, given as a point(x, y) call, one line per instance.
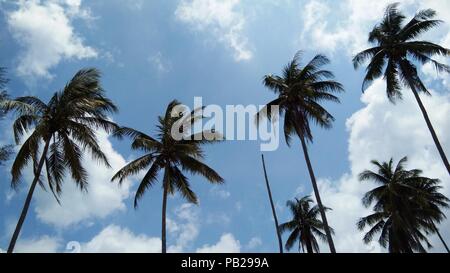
point(317, 195)
point(26, 206)
point(440, 237)
point(164, 209)
point(430, 127)
point(309, 248)
point(280, 242)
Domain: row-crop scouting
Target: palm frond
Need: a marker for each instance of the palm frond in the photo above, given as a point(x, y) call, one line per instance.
point(23, 157)
point(148, 181)
point(194, 166)
point(134, 167)
point(72, 159)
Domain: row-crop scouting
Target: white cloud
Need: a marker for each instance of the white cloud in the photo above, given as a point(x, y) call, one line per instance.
point(182, 233)
point(102, 199)
point(226, 244)
point(336, 25)
point(45, 32)
point(185, 228)
point(44, 244)
point(220, 18)
point(254, 243)
point(115, 239)
point(380, 131)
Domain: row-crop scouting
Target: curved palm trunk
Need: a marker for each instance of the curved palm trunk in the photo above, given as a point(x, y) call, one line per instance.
point(26, 206)
point(440, 237)
point(280, 242)
point(163, 228)
point(430, 127)
point(317, 195)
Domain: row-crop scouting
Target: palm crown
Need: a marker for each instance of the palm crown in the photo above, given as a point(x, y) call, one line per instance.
point(300, 91)
point(406, 205)
point(168, 154)
point(66, 124)
point(304, 226)
point(397, 48)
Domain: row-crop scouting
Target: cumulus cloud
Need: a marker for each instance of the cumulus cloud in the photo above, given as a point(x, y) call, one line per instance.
point(220, 18)
point(344, 25)
point(115, 239)
point(102, 199)
point(226, 244)
point(45, 32)
point(380, 131)
point(44, 244)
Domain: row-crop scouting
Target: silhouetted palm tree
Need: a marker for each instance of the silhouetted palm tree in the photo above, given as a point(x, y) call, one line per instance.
point(394, 55)
point(406, 205)
point(5, 151)
point(274, 213)
point(300, 91)
point(304, 226)
point(429, 202)
point(166, 153)
point(66, 127)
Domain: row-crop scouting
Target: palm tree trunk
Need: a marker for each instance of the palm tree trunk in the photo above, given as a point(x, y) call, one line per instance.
point(164, 209)
point(309, 248)
point(440, 237)
point(26, 206)
point(430, 127)
point(317, 195)
point(280, 242)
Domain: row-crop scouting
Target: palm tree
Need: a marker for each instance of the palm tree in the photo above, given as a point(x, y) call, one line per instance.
point(300, 91)
point(66, 127)
point(397, 49)
point(173, 156)
point(406, 205)
point(429, 201)
point(277, 229)
point(304, 226)
point(5, 151)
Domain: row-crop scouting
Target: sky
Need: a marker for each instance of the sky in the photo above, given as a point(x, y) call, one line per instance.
point(151, 52)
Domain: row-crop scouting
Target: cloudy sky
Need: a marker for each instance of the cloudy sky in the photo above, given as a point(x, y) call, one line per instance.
point(151, 52)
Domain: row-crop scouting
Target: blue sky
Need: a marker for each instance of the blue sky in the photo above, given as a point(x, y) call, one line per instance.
point(151, 52)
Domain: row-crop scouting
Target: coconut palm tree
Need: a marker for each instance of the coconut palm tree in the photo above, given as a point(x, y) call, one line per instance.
point(395, 54)
point(300, 91)
point(274, 213)
point(5, 151)
point(304, 226)
point(65, 126)
point(430, 202)
point(406, 205)
point(170, 154)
